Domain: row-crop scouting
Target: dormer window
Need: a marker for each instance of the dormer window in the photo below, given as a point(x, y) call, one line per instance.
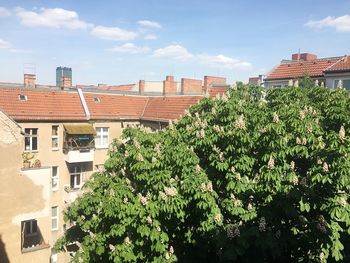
point(22, 97)
point(97, 99)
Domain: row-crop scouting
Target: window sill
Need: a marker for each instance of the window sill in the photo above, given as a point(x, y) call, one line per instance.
point(101, 147)
point(55, 149)
point(29, 151)
point(37, 247)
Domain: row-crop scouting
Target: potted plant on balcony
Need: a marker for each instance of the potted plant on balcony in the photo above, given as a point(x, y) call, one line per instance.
point(27, 156)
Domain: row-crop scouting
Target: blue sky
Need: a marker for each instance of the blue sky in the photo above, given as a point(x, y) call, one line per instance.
point(117, 42)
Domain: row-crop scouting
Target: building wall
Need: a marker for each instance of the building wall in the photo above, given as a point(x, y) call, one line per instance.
point(153, 86)
point(29, 192)
point(331, 78)
point(22, 196)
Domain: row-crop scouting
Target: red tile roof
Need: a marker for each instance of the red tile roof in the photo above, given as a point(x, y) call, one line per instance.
point(126, 87)
point(340, 66)
point(42, 105)
point(111, 106)
point(297, 69)
point(48, 105)
point(168, 108)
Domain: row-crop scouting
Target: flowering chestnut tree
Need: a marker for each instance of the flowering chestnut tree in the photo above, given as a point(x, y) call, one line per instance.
point(250, 176)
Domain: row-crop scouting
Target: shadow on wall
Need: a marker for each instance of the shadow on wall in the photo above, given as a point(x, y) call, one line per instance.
point(3, 254)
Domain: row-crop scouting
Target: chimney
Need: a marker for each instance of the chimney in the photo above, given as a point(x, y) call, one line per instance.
point(191, 86)
point(141, 86)
point(29, 80)
point(304, 56)
point(169, 85)
point(169, 78)
point(210, 81)
point(66, 82)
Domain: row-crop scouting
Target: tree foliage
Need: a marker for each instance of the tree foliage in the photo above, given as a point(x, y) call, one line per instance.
point(246, 177)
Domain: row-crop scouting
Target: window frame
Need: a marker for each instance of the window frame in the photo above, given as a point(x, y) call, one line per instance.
point(78, 171)
point(56, 177)
point(55, 137)
point(31, 136)
point(56, 217)
point(336, 81)
point(100, 133)
point(30, 223)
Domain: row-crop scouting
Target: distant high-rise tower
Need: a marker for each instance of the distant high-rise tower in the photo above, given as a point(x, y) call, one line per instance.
point(63, 77)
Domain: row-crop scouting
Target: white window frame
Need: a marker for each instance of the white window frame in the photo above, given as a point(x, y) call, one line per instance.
point(54, 218)
point(31, 136)
point(101, 133)
point(55, 179)
point(55, 137)
point(78, 172)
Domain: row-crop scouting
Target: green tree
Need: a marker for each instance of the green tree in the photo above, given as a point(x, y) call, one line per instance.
point(243, 177)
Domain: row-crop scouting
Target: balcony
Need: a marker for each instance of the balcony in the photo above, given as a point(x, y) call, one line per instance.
point(79, 155)
point(79, 145)
point(31, 237)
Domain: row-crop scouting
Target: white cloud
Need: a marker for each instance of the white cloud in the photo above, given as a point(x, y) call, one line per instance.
point(223, 62)
point(54, 18)
point(113, 33)
point(179, 52)
point(173, 51)
point(341, 23)
point(150, 37)
point(148, 23)
point(4, 12)
point(130, 48)
point(4, 44)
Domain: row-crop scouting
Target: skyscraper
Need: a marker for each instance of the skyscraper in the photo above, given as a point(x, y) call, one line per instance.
point(63, 74)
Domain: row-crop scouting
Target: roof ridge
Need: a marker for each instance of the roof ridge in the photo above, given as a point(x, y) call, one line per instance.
point(329, 67)
point(144, 109)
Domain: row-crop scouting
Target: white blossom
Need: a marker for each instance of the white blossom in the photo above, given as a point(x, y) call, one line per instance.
point(167, 256)
point(140, 157)
point(154, 159)
point(127, 241)
point(162, 195)
point(171, 250)
point(111, 247)
point(170, 191)
point(292, 165)
point(149, 220)
point(325, 167)
point(125, 200)
point(143, 199)
point(298, 141)
point(218, 218)
point(137, 144)
point(198, 168)
point(240, 123)
point(295, 180)
point(276, 119)
point(342, 201)
point(271, 163)
point(342, 133)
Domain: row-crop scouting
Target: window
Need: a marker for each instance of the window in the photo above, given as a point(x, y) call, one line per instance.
point(30, 227)
point(102, 138)
point(54, 218)
point(22, 97)
point(54, 137)
point(75, 177)
point(97, 99)
point(31, 140)
point(54, 178)
point(346, 83)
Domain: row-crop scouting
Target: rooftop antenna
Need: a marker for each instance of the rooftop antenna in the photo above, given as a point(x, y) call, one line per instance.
point(298, 54)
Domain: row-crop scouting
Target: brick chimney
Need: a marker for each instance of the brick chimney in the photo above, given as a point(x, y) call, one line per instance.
point(304, 56)
point(209, 81)
point(169, 85)
point(191, 86)
point(141, 86)
point(66, 82)
point(29, 80)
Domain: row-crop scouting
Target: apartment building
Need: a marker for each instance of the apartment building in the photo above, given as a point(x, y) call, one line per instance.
point(330, 72)
point(53, 139)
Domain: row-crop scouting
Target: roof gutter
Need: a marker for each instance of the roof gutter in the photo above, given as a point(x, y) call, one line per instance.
point(83, 102)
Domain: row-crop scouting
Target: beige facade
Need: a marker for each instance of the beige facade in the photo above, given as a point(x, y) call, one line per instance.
point(31, 194)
